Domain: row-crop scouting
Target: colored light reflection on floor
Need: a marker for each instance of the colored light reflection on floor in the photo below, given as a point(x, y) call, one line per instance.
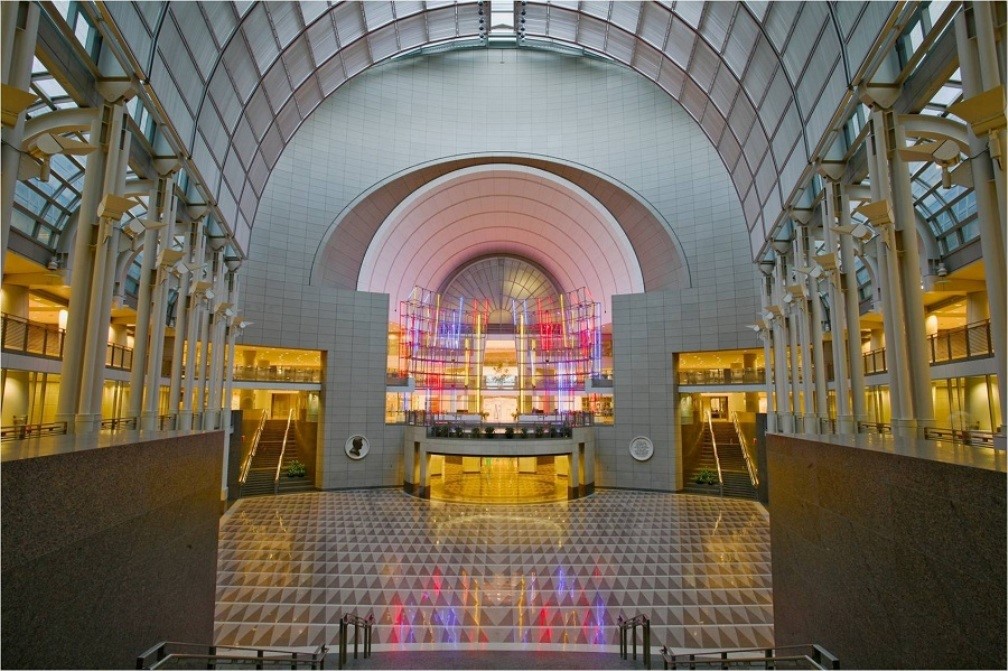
point(449, 575)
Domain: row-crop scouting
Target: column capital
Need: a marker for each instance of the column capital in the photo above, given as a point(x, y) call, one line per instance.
point(116, 89)
point(878, 96)
point(831, 171)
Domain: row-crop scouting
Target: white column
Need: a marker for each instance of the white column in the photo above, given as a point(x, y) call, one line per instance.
point(193, 320)
point(142, 329)
point(211, 415)
point(990, 208)
point(766, 335)
point(167, 258)
point(181, 328)
point(102, 286)
point(818, 356)
point(894, 319)
point(837, 317)
point(851, 311)
point(781, 376)
point(918, 352)
point(82, 272)
point(20, 32)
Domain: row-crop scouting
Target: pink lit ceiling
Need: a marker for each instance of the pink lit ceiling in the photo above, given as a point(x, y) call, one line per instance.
point(500, 209)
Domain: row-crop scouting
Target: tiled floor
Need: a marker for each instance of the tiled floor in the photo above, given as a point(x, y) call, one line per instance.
point(499, 481)
point(552, 576)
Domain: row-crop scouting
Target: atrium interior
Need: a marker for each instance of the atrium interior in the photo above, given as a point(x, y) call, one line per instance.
point(507, 324)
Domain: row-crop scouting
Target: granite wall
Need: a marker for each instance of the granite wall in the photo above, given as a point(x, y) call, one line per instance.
point(887, 560)
point(108, 551)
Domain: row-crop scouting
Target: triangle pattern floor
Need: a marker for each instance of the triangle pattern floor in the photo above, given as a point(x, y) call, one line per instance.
point(538, 576)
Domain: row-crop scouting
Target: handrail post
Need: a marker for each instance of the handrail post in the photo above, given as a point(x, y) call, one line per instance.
point(212, 652)
point(259, 659)
point(647, 643)
point(634, 621)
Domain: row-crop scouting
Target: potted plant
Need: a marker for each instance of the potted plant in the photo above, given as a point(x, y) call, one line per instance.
point(524, 432)
point(540, 431)
point(457, 431)
point(296, 469)
point(509, 432)
point(488, 431)
point(553, 432)
point(706, 477)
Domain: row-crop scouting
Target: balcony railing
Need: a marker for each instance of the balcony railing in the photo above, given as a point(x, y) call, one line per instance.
point(958, 344)
point(28, 337)
point(278, 373)
point(723, 376)
point(24, 336)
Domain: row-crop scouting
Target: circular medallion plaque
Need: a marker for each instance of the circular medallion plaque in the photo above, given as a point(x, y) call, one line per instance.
point(641, 448)
point(357, 447)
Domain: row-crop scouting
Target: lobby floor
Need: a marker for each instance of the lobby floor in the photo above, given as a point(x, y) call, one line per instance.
point(551, 576)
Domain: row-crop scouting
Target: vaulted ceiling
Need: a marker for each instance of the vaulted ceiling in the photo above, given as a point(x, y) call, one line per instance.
point(763, 80)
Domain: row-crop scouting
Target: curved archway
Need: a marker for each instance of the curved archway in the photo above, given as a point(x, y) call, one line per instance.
point(659, 254)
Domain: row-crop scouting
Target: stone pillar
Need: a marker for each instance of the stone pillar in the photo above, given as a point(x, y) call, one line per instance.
point(17, 46)
point(978, 76)
point(82, 271)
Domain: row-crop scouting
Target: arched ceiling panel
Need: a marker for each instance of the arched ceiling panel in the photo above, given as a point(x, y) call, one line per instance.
point(340, 258)
point(779, 56)
point(495, 209)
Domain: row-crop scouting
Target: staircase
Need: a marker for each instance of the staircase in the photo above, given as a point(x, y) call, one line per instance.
point(264, 463)
point(733, 467)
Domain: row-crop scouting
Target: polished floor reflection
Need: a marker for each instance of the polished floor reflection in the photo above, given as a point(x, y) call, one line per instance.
point(452, 575)
point(499, 479)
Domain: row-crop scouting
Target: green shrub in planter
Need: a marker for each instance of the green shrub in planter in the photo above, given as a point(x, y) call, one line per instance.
point(554, 432)
point(509, 432)
point(540, 431)
point(476, 433)
point(457, 431)
point(706, 477)
point(488, 431)
point(296, 469)
point(524, 432)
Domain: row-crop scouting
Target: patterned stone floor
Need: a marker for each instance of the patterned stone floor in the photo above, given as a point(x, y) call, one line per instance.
point(551, 576)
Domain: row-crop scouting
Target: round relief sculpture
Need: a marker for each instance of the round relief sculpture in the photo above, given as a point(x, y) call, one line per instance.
point(357, 447)
point(641, 448)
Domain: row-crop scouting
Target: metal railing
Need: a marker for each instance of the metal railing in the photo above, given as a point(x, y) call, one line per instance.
point(172, 655)
point(628, 627)
point(958, 344)
point(18, 334)
point(278, 373)
point(359, 624)
point(809, 656)
point(750, 466)
point(717, 460)
point(22, 431)
point(723, 376)
point(247, 464)
point(874, 427)
point(283, 450)
point(500, 431)
point(964, 436)
point(119, 423)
